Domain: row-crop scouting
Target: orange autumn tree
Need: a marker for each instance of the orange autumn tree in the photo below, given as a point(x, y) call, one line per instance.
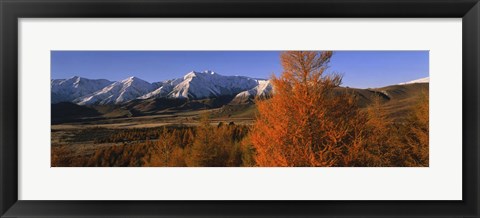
point(418, 137)
point(307, 122)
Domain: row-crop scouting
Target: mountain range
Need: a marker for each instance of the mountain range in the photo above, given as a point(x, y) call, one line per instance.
point(194, 85)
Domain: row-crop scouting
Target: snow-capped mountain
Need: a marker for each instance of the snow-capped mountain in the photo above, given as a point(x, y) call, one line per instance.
point(422, 80)
point(163, 90)
point(118, 92)
point(66, 90)
point(262, 90)
point(198, 85)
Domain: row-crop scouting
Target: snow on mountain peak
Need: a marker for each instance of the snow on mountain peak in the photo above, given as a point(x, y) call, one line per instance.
point(191, 74)
point(132, 79)
point(163, 89)
point(209, 72)
point(421, 80)
point(262, 90)
point(118, 92)
point(66, 90)
point(206, 84)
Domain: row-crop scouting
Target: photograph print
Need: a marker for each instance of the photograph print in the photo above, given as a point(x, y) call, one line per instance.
point(239, 108)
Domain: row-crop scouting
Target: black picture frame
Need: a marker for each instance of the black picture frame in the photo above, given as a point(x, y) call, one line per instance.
point(12, 10)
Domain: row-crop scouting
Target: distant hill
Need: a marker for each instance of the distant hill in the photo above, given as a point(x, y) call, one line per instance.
point(402, 98)
point(68, 112)
point(398, 100)
point(422, 80)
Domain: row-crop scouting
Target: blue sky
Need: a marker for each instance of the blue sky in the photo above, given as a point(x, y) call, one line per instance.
point(361, 69)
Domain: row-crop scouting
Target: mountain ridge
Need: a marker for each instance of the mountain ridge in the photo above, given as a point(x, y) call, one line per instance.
point(193, 85)
point(117, 92)
point(421, 80)
point(67, 90)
